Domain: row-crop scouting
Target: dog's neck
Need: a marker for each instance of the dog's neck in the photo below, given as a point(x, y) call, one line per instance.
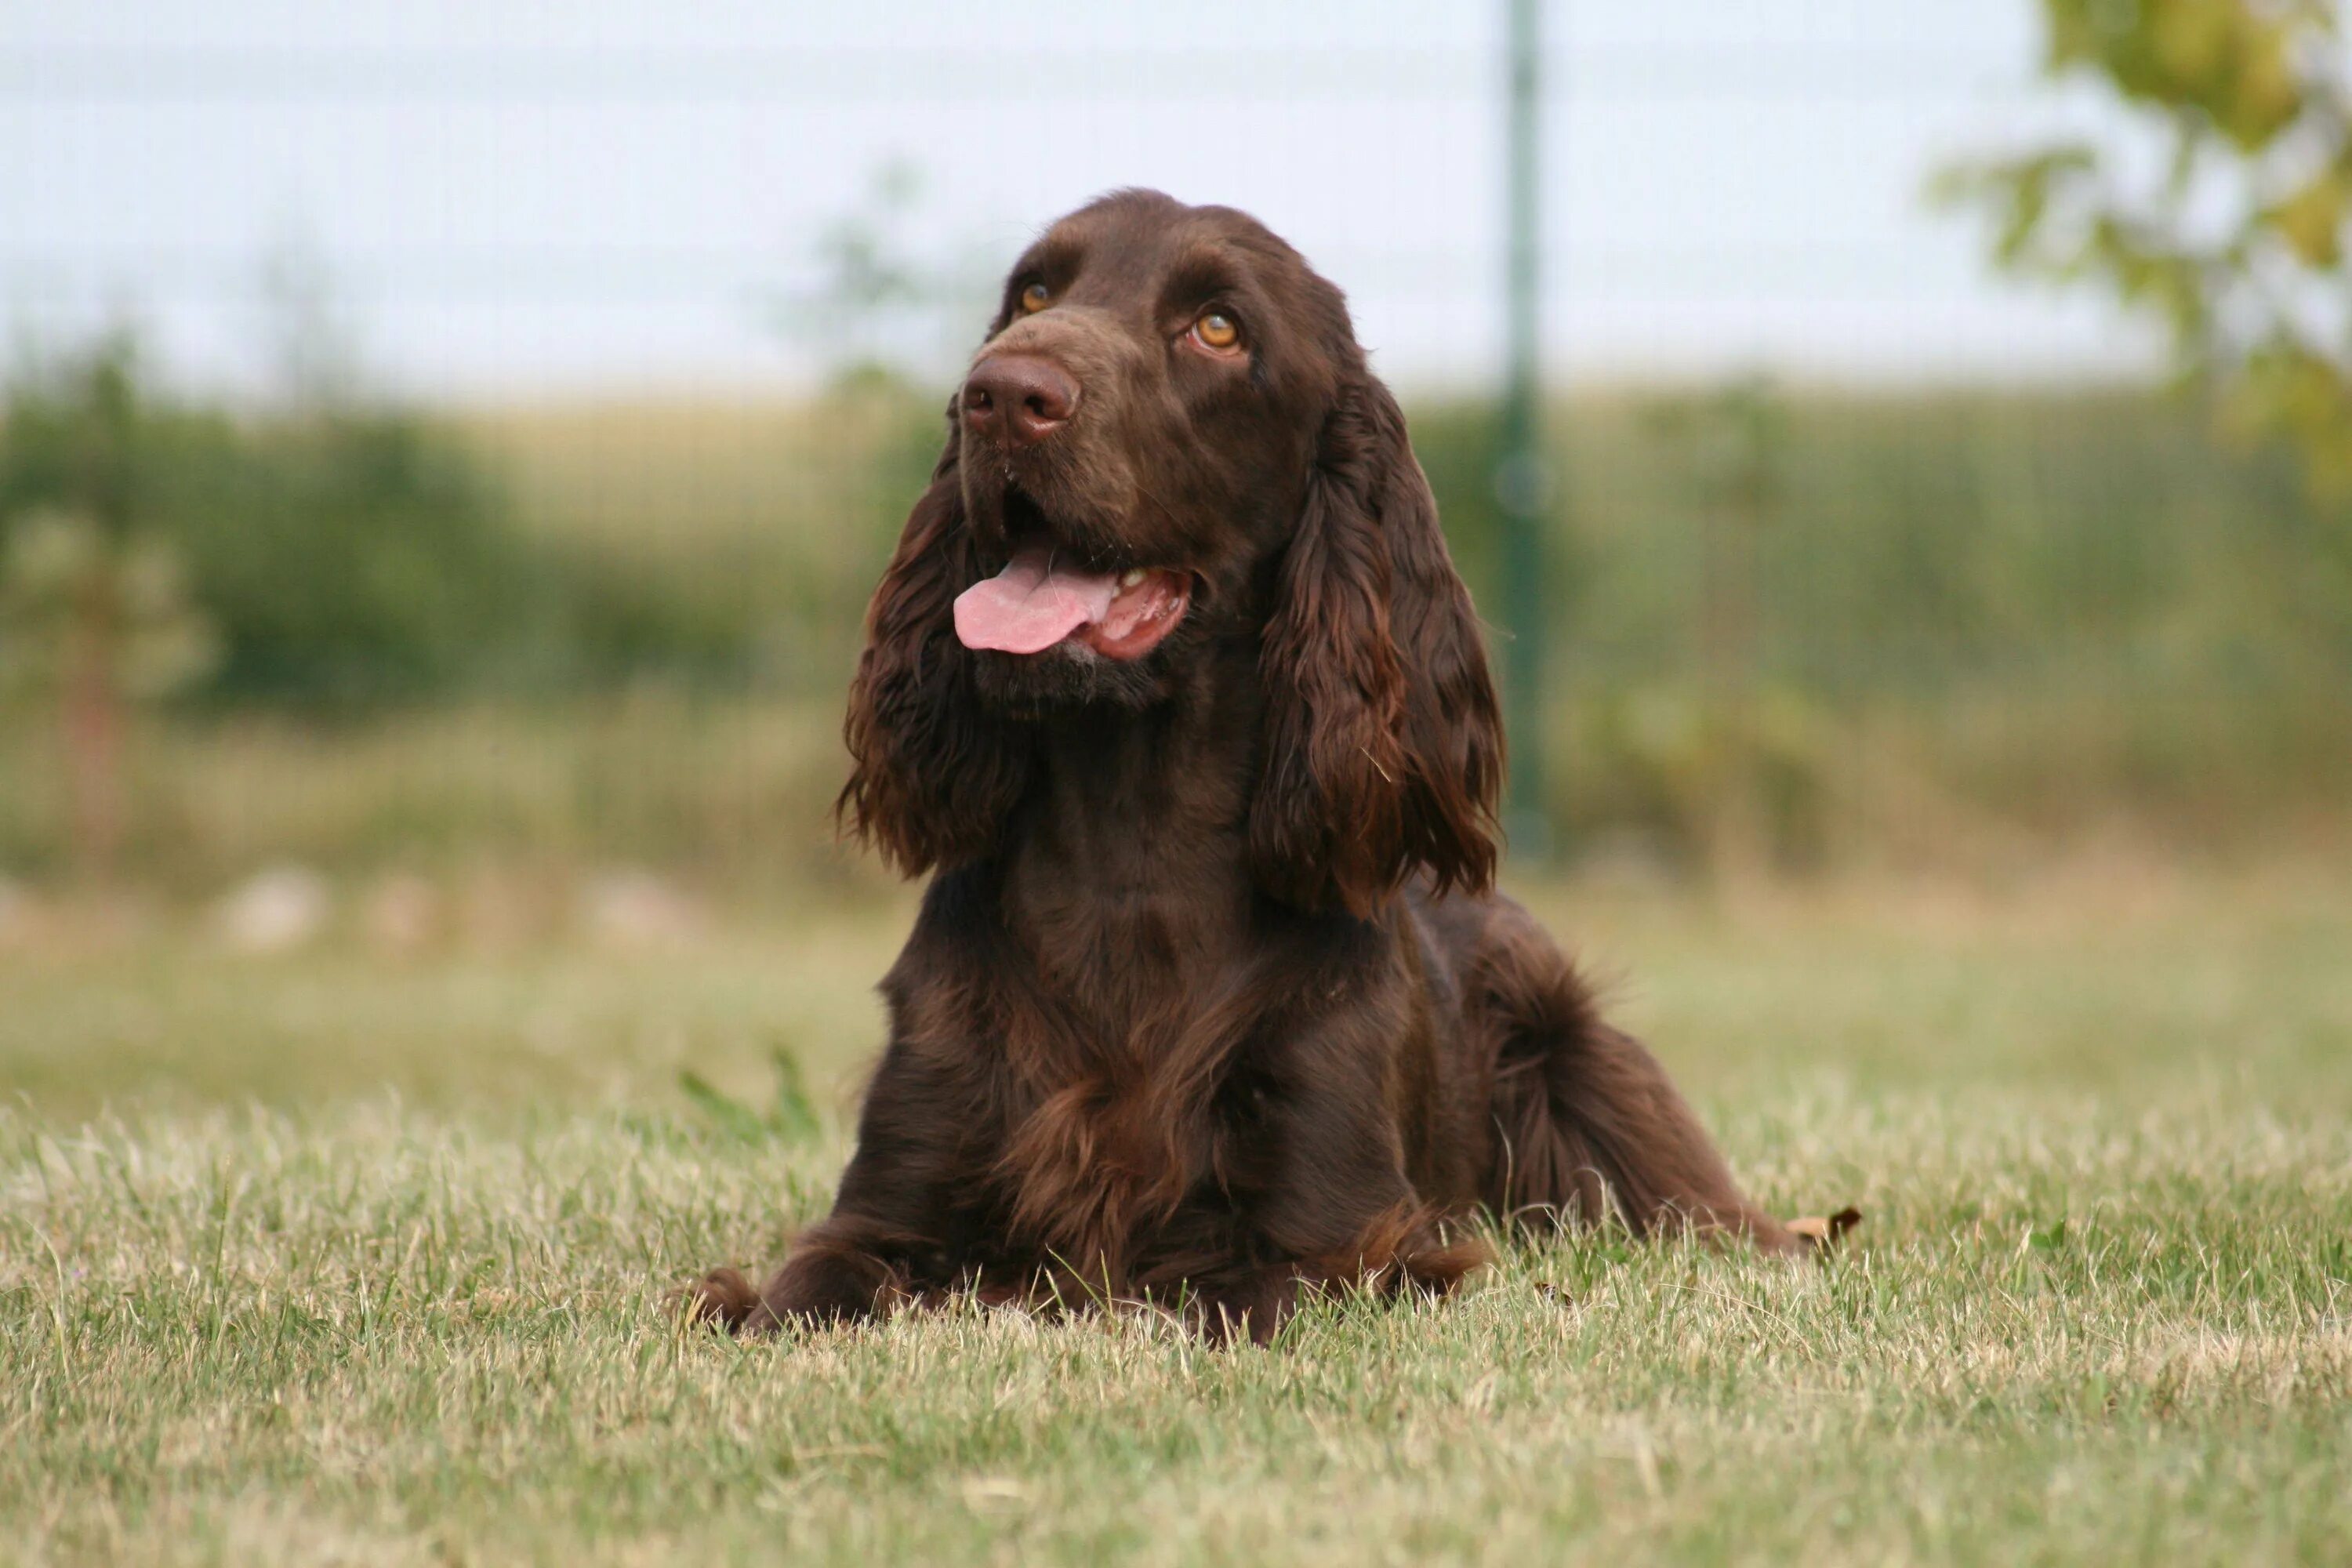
point(1133, 847)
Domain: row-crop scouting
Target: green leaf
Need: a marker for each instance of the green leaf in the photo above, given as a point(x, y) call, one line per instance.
point(2311, 221)
point(791, 1117)
point(794, 1119)
point(730, 1115)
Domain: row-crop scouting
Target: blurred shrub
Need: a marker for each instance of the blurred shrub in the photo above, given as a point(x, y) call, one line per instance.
point(342, 557)
point(65, 585)
point(1826, 622)
point(355, 559)
point(1950, 614)
point(716, 546)
point(1792, 626)
point(93, 622)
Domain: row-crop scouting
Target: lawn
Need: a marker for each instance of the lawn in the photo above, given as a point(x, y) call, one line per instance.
point(348, 1256)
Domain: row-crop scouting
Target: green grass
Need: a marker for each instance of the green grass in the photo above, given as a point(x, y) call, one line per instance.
point(256, 1308)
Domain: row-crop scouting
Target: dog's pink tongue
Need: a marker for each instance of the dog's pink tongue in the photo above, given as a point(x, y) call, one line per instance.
point(1031, 605)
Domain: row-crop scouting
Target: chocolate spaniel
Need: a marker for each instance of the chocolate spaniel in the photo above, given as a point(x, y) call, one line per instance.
point(1172, 686)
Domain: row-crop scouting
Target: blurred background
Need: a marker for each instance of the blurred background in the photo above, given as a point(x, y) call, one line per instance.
point(445, 449)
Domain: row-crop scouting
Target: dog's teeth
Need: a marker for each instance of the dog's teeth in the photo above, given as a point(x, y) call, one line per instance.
point(1132, 577)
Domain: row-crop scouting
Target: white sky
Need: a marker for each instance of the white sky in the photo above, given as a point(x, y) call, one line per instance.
point(553, 196)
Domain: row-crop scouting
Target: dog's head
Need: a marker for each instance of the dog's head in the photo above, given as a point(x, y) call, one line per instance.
point(1169, 446)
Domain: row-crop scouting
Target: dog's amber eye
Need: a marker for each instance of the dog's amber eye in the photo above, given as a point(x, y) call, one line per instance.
point(1035, 297)
point(1217, 331)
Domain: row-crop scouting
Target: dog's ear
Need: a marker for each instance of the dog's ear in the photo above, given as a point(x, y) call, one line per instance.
point(1383, 750)
point(933, 770)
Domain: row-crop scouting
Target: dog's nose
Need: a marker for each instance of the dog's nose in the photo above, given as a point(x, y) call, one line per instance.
point(1015, 399)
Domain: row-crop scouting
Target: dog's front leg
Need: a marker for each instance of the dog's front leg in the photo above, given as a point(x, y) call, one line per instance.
point(1336, 1210)
point(888, 1223)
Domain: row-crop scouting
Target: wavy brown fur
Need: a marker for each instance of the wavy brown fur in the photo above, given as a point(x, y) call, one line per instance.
point(1210, 1001)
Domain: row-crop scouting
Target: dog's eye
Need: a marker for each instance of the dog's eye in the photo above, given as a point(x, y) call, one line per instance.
point(1215, 329)
point(1035, 297)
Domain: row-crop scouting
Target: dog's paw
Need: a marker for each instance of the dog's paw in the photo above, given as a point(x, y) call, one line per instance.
point(723, 1296)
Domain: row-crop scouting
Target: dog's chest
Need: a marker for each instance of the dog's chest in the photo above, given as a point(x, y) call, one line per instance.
point(1126, 968)
point(1118, 1058)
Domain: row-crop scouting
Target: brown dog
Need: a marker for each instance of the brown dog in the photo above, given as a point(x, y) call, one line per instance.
point(1172, 683)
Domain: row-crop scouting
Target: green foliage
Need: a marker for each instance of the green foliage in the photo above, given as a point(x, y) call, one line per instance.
point(2239, 66)
point(1921, 623)
point(1990, 605)
point(2033, 598)
point(715, 546)
point(355, 559)
point(2237, 247)
point(345, 557)
point(2027, 609)
point(62, 579)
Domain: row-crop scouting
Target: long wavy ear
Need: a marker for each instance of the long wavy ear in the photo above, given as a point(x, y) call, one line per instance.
point(1383, 750)
point(933, 772)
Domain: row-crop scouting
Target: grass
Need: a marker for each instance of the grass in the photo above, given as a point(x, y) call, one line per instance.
point(256, 1308)
point(730, 790)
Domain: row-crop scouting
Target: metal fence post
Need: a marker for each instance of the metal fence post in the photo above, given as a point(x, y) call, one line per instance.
point(1522, 484)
